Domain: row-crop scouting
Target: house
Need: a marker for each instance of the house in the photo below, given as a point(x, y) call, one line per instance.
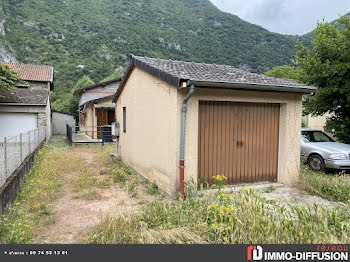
point(317, 122)
point(182, 121)
point(29, 108)
point(96, 107)
point(60, 120)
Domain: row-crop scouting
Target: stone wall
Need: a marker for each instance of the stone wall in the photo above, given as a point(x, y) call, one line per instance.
point(42, 119)
point(39, 85)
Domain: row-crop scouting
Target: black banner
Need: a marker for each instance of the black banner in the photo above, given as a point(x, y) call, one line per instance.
point(164, 253)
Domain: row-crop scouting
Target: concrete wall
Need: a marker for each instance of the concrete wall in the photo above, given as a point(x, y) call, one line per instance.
point(59, 122)
point(8, 192)
point(151, 144)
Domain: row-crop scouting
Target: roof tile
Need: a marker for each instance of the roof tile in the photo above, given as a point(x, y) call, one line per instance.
point(200, 72)
point(29, 72)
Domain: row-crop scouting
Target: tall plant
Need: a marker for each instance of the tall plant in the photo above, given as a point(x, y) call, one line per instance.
point(327, 66)
point(8, 81)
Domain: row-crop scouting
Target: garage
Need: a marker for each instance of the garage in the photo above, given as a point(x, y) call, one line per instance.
point(188, 122)
point(17, 123)
point(239, 141)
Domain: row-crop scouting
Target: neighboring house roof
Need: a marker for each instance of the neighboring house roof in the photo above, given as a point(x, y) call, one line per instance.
point(94, 93)
point(210, 75)
point(37, 73)
point(97, 100)
point(102, 84)
point(27, 97)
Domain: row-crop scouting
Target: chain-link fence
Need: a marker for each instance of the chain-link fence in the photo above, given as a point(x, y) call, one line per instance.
point(14, 149)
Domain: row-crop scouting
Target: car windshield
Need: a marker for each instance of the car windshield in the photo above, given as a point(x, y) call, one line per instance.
point(315, 137)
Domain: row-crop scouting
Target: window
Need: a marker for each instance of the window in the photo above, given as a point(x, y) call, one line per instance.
point(124, 119)
point(315, 136)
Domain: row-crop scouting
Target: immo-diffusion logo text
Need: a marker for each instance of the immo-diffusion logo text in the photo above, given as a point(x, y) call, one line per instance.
point(256, 253)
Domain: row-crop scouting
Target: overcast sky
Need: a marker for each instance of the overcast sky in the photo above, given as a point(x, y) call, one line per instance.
point(285, 16)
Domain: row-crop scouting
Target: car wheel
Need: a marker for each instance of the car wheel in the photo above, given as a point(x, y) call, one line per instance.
point(316, 163)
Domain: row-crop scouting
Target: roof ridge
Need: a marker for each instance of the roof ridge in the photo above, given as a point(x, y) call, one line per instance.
point(27, 64)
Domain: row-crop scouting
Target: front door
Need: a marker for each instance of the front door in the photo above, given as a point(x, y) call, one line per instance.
point(104, 117)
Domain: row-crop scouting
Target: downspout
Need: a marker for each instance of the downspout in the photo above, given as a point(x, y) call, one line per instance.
point(182, 145)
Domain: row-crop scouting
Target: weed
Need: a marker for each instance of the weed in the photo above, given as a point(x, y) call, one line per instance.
point(132, 187)
point(32, 207)
point(269, 189)
point(232, 218)
point(152, 188)
point(333, 187)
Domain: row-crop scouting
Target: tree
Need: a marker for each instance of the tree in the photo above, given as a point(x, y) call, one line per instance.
point(115, 75)
point(8, 81)
point(327, 66)
point(74, 100)
point(285, 71)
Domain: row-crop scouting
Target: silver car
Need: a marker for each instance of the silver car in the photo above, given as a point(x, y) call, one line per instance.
point(319, 151)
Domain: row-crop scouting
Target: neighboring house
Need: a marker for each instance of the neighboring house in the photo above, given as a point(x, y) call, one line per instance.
point(29, 108)
point(96, 108)
point(241, 125)
point(60, 120)
point(317, 122)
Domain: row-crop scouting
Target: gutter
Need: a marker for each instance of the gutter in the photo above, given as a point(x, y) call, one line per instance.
point(182, 139)
point(257, 87)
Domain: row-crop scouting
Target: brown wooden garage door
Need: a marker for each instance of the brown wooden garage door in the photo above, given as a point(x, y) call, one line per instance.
point(239, 141)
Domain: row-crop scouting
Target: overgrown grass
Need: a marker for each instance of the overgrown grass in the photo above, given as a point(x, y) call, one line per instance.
point(232, 218)
point(32, 206)
point(121, 174)
point(335, 187)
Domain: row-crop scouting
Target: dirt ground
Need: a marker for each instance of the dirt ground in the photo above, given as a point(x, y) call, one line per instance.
point(74, 215)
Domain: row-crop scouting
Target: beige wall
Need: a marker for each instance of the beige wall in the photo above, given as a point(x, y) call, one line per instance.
point(317, 122)
point(151, 144)
point(289, 128)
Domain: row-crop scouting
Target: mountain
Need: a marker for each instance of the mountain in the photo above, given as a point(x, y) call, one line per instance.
point(95, 37)
point(306, 39)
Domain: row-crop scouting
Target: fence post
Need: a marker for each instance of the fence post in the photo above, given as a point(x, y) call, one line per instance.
point(20, 149)
point(5, 155)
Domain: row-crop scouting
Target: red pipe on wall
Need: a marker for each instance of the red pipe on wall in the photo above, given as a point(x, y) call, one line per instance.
point(182, 178)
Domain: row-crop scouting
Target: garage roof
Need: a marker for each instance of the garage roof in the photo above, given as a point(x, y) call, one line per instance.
point(211, 75)
point(27, 97)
